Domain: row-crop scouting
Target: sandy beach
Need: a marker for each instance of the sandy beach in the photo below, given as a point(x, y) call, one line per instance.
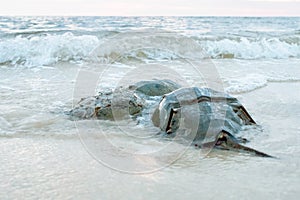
point(47, 67)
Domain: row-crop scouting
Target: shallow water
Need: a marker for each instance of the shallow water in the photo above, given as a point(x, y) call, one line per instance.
point(46, 155)
point(42, 154)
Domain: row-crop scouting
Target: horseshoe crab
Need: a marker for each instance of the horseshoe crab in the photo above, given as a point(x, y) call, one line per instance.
point(112, 105)
point(205, 117)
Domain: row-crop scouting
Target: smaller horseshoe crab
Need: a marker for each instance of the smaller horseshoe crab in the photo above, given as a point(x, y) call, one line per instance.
point(212, 118)
point(123, 101)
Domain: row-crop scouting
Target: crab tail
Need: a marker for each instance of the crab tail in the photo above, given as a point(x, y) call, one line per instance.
point(228, 142)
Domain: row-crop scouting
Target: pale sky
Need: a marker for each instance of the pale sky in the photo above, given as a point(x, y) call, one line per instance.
point(152, 7)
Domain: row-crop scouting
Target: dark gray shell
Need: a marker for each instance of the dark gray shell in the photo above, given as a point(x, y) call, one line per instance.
point(202, 111)
point(155, 87)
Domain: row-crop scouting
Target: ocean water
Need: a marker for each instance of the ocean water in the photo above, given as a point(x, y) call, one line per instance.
point(47, 64)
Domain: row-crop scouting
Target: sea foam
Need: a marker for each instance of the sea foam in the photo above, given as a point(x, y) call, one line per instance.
point(245, 48)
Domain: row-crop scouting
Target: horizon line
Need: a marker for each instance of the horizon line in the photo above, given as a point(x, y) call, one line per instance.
point(71, 15)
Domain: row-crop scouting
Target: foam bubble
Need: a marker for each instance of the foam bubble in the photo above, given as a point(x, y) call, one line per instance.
point(254, 81)
point(247, 83)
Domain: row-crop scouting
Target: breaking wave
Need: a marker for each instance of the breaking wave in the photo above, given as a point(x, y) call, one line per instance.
point(46, 50)
point(52, 48)
point(245, 48)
